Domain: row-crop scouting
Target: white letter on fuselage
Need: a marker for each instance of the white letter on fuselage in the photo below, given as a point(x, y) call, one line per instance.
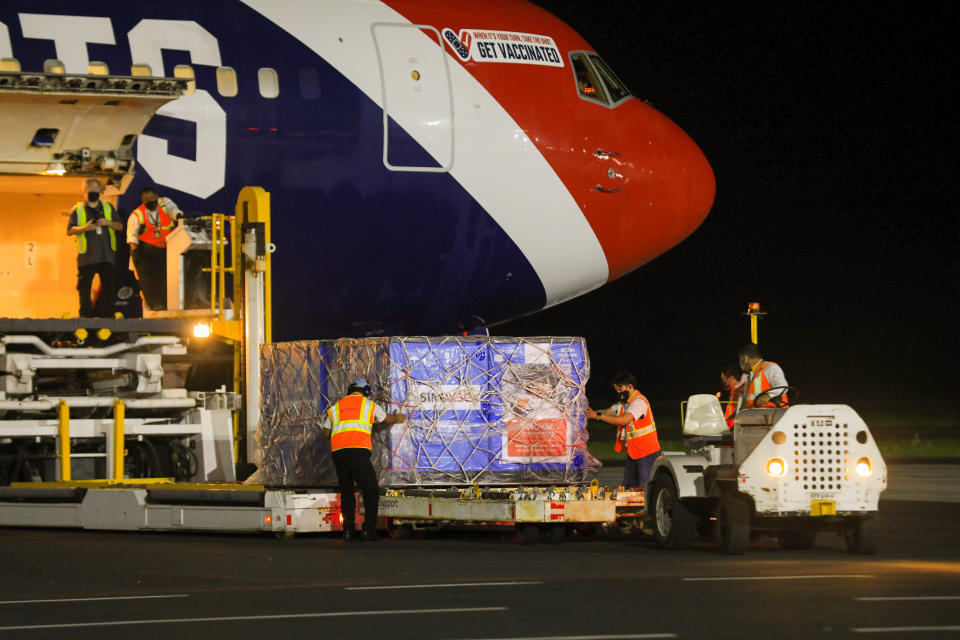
point(205, 175)
point(70, 35)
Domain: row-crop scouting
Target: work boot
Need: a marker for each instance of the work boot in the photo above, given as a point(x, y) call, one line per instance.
point(351, 535)
point(371, 536)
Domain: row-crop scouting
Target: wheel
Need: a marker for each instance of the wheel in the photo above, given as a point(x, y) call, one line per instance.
point(733, 523)
point(555, 533)
point(673, 523)
point(865, 536)
point(801, 539)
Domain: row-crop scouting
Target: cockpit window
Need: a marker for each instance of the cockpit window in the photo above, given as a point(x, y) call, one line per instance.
point(588, 84)
point(595, 80)
point(617, 90)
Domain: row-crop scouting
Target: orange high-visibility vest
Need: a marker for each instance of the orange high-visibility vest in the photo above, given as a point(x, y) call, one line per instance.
point(642, 431)
point(351, 422)
point(155, 235)
point(759, 384)
point(730, 410)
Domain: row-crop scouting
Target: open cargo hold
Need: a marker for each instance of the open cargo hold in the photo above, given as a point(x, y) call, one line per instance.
point(480, 410)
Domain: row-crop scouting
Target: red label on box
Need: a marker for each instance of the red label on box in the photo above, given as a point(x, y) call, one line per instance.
point(545, 438)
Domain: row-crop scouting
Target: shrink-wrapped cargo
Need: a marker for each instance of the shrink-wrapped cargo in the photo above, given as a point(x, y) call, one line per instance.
point(480, 410)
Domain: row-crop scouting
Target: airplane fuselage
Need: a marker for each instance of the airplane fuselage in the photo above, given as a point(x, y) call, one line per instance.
point(433, 166)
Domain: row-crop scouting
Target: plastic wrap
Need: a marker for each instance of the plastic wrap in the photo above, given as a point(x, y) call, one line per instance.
point(480, 410)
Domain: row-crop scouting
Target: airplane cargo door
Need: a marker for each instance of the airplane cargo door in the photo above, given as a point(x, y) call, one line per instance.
point(417, 103)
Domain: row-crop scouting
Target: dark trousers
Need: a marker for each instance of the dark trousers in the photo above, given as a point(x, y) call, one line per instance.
point(354, 466)
point(151, 264)
point(108, 285)
point(636, 473)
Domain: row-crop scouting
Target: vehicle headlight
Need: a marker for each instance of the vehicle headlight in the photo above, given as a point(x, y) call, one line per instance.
point(776, 467)
point(864, 468)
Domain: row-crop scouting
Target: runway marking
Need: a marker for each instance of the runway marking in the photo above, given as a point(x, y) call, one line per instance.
point(801, 577)
point(439, 585)
point(905, 598)
point(626, 636)
point(904, 629)
point(283, 616)
point(179, 595)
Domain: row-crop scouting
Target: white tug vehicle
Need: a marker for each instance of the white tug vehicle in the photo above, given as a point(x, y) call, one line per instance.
point(787, 471)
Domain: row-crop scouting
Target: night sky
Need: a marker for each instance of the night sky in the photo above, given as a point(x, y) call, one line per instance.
point(833, 141)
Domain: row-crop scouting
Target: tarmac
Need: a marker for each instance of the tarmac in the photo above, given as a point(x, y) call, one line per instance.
point(472, 585)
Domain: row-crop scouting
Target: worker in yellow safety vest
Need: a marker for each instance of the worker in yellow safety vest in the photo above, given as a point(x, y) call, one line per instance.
point(350, 423)
point(95, 225)
point(636, 428)
point(766, 386)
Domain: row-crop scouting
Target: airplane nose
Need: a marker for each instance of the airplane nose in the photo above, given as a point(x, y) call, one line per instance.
point(667, 186)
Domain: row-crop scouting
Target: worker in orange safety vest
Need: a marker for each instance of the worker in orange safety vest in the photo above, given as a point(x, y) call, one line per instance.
point(147, 229)
point(732, 381)
point(766, 386)
point(350, 423)
point(633, 418)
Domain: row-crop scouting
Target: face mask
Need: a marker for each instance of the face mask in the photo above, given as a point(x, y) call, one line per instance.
point(151, 205)
point(93, 196)
point(623, 395)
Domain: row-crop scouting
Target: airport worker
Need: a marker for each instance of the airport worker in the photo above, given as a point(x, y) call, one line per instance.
point(732, 380)
point(95, 224)
point(147, 229)
point(350, 422)
point(762, 376)
point(633, 417)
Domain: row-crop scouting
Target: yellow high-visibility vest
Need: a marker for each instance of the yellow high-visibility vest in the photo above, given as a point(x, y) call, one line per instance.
point(82, 220)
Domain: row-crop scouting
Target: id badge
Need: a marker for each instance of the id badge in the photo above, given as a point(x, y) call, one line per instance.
point(99, 231)
point(156, 234)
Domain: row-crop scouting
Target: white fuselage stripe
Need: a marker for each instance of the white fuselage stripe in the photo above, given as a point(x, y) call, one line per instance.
point(493, 158)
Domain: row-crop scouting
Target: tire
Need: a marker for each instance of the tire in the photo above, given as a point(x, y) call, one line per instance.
point(673, 523)
point(800, 539)
point(733, 524)
point(555, 533)
point(864, 538)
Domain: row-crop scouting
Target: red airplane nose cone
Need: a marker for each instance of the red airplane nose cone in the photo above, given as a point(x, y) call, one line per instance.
point(666, 188)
